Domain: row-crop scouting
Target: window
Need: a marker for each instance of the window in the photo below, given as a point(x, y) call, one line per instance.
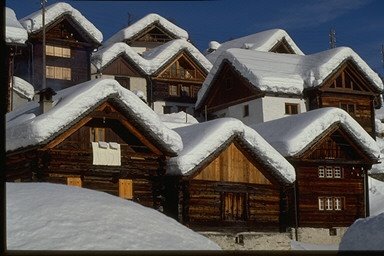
point(321, 172)
point(337, 172)
point(328, 203)
point(185, 90)
point(246, 110)
point(329, 171)
point(58, 73)
point(74, 181)
point(167, 109)
point(97, 134)
point(173, 90)
point(291, 108)
point(126, 188)
point(337, 203)
point(349, 108)
point(234, 206)
point(321, 203)
point(57, 51)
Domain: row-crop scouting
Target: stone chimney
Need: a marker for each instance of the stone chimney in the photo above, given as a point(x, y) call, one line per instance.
point(45, 99)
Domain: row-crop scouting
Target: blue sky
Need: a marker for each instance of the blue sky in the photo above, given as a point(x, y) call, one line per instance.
point(359, 24)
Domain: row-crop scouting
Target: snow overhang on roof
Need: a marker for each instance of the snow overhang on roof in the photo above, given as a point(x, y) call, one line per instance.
point(151, 61)
point(23, 88)
point(202, 140)
point(14, 31)
point(26, 128)
point(33, 22)
point(286, 73)
point(262, 41)
point(132, 30)
point(291, 135)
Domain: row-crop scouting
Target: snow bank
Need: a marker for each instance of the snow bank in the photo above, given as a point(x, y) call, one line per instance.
point(364, 235)
point(33, 22)
point(23, 87)
point(290, 135)
point(14, 31)
point(379, 168)
point(43, 216)
point(176, 120)
point(287, 73)
point(376, 196)
point(203, 139)
point(262, 41)
point(26, 128)
point(300, 246)
point(152, 18)
point(152, 60)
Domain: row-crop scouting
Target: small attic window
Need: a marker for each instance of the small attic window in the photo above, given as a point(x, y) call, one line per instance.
point(291, 108)
point(245, 110)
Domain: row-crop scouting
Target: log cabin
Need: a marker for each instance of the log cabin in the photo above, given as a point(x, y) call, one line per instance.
point(15, 40)
point(96, 135)
point(147, 33)
point(227, 179)
point(256, 87)
point(273, 40)
point(70, 40)
point(331, 154)
point(169, 75)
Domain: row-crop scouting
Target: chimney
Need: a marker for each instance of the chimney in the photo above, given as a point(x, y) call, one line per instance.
point(45, 99)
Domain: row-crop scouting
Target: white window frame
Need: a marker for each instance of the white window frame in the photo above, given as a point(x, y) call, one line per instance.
point(337, 172)
point(328, 172)
point(338, 203)
point(321, 203)
point(321, 172)
point(328, 204)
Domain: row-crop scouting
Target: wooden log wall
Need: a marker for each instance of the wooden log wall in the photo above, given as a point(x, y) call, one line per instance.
point(22, 166)
point(350, 187)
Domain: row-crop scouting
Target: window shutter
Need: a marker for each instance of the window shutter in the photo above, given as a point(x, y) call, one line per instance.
point(74, 181)
point(126, 188)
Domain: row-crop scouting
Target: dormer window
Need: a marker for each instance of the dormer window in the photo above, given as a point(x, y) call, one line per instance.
point(58, 51)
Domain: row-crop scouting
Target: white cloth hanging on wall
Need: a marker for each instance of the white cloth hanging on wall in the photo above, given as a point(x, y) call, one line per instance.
point(105, 154)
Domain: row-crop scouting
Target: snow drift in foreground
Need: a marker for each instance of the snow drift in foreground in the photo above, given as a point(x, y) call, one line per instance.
point(365, 234)
point(43, 216)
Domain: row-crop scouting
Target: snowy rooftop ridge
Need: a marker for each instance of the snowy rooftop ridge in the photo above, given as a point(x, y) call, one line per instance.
point(33, 22)
point(14, 31)
point(152, 60)
point(293, 134)
point(287, 73)
point(262, 41)
point(23, 87)
point(132, 30)
point(203, 139)
point(176, 120)
point(26, 128)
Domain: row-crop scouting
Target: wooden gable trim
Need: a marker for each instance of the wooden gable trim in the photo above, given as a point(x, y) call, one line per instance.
point(211, 93)
point(282, 43)
point(363, 83)
point(104, 110)
point(305, 153)
point(191, 61)
point(148, 28)
point(138, 72)
point(88, 41)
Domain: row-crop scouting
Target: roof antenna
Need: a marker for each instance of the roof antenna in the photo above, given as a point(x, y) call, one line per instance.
point(332, 38)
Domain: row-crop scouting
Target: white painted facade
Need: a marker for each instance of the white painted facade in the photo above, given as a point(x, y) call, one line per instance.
point(262, 109)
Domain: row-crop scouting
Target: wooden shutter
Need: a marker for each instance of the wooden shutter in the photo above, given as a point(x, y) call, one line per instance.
point(126, 188)
point(74, 181)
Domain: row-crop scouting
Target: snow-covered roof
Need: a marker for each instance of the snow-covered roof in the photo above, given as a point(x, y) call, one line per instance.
point(23, 88)
point(262, 41)
point(203, 139)
point(33, 22)
point(14, 31)
point(176, 120)
point(44, 216)
point(25, 127)
point(293, 134)
point(151, 61)
point(152, 18)
point(287, 73)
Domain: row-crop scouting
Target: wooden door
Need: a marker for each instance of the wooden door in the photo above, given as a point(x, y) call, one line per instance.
point(126, 188)
point(234, 206)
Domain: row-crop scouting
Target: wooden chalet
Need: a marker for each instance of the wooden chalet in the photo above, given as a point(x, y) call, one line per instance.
point(70, 40)
point(223, 182)
point(331, 164)
point(261, 86)
point(109, 141)
point(169, 75)
point(15, 40)
point(147, 33)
